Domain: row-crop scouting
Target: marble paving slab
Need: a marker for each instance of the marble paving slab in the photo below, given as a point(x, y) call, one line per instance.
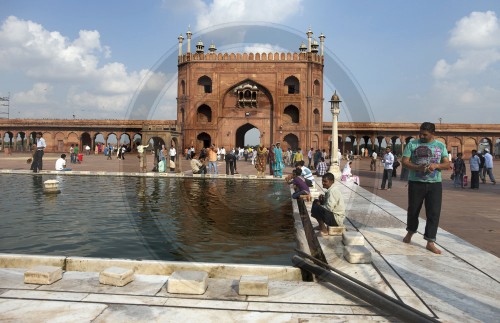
point(207, 303)
point(452, 288)
point(125, 299)
point(17, 310)
point(44, 295)
point(14, 278)
point(88, 282)
point(222, 289)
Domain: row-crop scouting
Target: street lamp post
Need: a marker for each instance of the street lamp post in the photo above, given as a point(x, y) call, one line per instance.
point(334, 161)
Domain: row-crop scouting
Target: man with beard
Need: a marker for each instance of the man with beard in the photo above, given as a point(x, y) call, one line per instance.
point(425, 158)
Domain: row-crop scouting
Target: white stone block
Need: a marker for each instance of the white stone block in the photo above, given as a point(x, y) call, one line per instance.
point(222, 175)
point(253, 285)
point(336, 231)
point(188, 282)
point(357, 254)
point(42, 275)
point(196, 175)
point(269, 176)
point(116, 276)
point(252, 176)
point(353, 238)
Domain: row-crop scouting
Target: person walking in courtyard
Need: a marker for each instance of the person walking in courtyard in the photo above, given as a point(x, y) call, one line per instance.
point(37, 164)
point(297, 157)
point(329, 209)
point(482, 169)
point(373, 162)
point(172, 153)
point(310, 155)
point(72, 157)
point(212, 160)
point(260, 162)
point(425, 158)
point(388, 161)
point(488, 166)
point(474, 163)
point(271, 159)
point(459, 171)
point(142, 159)
point(279, 164)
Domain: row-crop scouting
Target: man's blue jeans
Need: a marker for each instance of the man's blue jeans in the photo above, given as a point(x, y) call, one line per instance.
point(212, 167)
point(431, 193)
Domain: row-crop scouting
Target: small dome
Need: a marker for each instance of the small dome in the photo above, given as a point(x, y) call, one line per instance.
point(335, 97)
point(200, 43)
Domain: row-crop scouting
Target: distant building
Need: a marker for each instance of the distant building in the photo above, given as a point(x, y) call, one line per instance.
point(221, 96)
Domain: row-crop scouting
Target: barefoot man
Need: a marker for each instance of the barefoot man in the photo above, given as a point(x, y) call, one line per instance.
point(329, 209)
point(425, 158)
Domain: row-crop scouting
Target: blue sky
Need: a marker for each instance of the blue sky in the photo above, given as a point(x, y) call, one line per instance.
point(411, 61)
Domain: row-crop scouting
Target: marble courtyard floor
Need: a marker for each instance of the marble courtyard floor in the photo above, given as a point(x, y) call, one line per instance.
point(461, 284)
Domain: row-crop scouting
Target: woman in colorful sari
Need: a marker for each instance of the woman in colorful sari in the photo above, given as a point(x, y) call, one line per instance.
point(260, 162)
point(278, 161)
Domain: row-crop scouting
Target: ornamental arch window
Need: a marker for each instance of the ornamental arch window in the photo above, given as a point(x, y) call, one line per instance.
point(247, 95)
point(292, 85)
point(204, 114)
point(316, 116)
point(291, 114)
point(205, 84)
point(316, 89)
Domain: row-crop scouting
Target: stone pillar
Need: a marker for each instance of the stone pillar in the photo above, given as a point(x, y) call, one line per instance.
point(335, 109)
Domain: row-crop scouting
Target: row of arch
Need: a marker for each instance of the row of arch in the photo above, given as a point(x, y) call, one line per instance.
point(291, 115)
point(291, 83)
point(61, 141)
point(454, 144)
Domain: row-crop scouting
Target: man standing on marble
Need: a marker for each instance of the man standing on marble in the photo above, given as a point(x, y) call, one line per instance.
point(425, 158)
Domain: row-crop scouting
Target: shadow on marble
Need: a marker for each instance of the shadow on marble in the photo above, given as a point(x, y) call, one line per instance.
point(452, 288)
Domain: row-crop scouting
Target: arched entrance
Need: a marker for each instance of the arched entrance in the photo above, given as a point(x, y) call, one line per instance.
point(204, 140)
point(292, 141)
point(240, 135)
point(86, 140)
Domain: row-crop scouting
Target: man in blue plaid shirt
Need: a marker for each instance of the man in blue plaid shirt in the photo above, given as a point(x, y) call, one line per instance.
point(322, 168)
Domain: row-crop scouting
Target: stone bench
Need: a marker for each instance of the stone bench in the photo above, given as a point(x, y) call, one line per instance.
point(116, 276)
point(357, 254)
point(43, 275)
point(187, 282)
point(253, 285)
point(353, 238)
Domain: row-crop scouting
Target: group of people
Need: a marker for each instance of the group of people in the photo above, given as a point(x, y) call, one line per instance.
point(481, 163)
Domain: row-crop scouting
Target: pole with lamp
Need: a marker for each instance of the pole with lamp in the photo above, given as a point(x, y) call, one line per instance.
point(334, 161)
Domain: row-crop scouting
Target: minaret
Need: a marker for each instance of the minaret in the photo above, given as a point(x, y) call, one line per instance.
point(322, 41)
point(302, 48)
point(189, 34)
point(180, 38)
point(200, 48)
point(212, 48)
point(309, 35)
point(314, 46)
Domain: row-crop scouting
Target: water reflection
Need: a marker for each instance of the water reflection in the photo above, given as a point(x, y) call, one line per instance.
point(238, 221)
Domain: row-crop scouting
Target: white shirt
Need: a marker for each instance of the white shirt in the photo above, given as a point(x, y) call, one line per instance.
point(172, 152)
point(223, 151)
point(140, 148)
point(388, 160)
point(40, 143)
point(374, 155)
point(60, 164)
point(488, 160)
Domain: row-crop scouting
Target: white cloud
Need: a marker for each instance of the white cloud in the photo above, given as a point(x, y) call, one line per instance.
point(472, 80)
point(264, 48)
point(476, 31)
point(224, 11)
point(71, 69)
point(476, 39)
point(37, 95)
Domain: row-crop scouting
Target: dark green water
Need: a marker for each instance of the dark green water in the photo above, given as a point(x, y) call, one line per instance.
point(230, 221)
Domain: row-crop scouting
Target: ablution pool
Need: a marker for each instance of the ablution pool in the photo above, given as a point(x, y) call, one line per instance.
point(176, 219)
